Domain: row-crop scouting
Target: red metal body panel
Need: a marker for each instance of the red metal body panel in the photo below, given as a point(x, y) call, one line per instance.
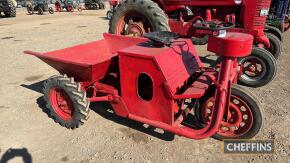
point(171, 65)
point(233, 44)
point(88, 62)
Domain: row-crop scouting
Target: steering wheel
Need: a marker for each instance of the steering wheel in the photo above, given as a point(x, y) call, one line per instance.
point(213, 25)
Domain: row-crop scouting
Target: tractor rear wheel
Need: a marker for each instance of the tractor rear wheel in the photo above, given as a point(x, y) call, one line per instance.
point(67, 104)
point(30, 9)
point(12, 9)
point(40, 11)
point(101, 6)
point(137, 17)
point(50, 10)
point(109, 14)
point(258, 69)
point(69, 8)
point(275, 45)
point(244, 115)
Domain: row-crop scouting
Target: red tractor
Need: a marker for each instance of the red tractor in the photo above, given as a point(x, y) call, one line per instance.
point(158, 80)
point(137, 17)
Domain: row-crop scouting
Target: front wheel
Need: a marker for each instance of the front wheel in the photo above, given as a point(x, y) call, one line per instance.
point(275, 31)
point(40, 11)
point(109, 14)
point(67, 104)
point(275, 45)
point(258, 69)
point(101, 6)
point(30, 9)
point(12, 9)
point(50, 10)
point(244, 117)
point(69, 8)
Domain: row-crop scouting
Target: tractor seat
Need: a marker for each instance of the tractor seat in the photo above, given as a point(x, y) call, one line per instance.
point(233, 44)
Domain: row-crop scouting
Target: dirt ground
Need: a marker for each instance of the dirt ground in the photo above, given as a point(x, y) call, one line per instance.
point(26, 130)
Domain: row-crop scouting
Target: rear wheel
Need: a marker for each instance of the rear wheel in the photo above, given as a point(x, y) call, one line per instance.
point(109, 14)
point(137, 17)
point(50, 10)
point(258, 69)
point(275, 45)
point(66, 102)
point(244, 118)
point(12, 9)
point(30, 9)
point(40, 11)
point(101, 6)
point(58, 7)
point(69, 8)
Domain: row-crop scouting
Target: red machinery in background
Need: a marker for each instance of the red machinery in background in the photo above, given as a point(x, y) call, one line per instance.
point(113, 4)
point(137, 17)
point(155, 80)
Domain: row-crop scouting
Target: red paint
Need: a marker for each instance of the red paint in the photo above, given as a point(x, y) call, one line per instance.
point(61, 103)
point(233, 44)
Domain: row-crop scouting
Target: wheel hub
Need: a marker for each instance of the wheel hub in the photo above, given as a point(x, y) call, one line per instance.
point(239, 117)
point(61, 103)
point(253, 68)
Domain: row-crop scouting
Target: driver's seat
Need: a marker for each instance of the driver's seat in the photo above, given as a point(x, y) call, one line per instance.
point(233, 44)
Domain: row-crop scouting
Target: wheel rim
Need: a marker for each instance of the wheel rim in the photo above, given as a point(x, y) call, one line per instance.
point(240, 117)
point(135, 26)
point(70, 8)
point(253, 68)
point(57, 7)
point(61, 103)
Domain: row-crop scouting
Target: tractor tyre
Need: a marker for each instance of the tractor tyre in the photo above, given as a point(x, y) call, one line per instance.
point(101, 6)
point(109, 14)
point(70, 8)
point(275, 45)
point(40, 11)
point(94, 6)
point(30, 9)
point(12, 9)
point(67, 104)
point(258, 69)
point(137, 17)
point(275, 31)
point(244, 117)
point(50, 10)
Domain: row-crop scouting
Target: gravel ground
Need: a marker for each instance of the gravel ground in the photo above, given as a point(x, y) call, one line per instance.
point(25, 128)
